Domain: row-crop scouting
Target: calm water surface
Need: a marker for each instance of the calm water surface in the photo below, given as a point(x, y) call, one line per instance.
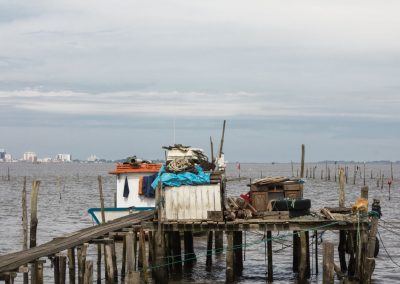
point(67, 190)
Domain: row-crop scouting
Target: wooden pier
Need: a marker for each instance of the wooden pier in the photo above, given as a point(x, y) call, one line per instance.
point(164, 251)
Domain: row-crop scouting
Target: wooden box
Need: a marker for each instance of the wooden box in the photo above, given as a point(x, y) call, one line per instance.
point(260, 199)
point(292, 193)
point(190, 202)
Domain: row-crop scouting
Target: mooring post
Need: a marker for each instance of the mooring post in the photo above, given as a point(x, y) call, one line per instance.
point(177, 252)
point(114, 259)
point(328, 264)
point(109, 263)
point(33, 228)
point(316, 251)
point(303, 153)
point(59, 269)
point(142, 248)
point(342, 233)
point(132, 275)
point(88, 278)
point(219, 242)
point(270, 275)
point(81, 252)
point(351, 248)
point(71, 265)
point(190, 256)
point(369, 264)
point(151, 248)
point(160, 270)
point(99, 263)
point(24, 228)
point(209, 251)
point(238, 252)
point(39, 272)
point(302, 275)
point(230, 273)
point(123, 264)
point(296, 246)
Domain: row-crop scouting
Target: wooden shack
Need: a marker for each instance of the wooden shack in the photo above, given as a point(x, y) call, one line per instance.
point(265, 190)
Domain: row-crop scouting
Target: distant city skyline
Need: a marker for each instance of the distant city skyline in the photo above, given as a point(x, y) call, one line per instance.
point(125, 78)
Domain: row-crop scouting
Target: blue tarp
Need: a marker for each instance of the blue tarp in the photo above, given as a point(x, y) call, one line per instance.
point(185, 178)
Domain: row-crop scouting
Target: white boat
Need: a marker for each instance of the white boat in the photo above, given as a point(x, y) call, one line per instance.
point(130, 197)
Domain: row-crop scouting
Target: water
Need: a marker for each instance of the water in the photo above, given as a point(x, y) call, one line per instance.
point(67, 190)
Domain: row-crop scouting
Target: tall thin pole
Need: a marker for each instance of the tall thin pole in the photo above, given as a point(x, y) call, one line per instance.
point(303, 152)
point(24, 227)
point(103, 217)
point(212, 150)
point(221, 146)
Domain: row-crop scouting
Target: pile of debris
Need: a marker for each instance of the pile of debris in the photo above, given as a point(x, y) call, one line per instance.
point(238, 209)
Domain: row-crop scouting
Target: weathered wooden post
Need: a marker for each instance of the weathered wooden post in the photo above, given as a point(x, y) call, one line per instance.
point(39, 272)
point(369, 264)
point(219, 242)
point(142, 248)
point(270, 275)
point(316, 251)
point(109, 263)
point(238, 252)
point(160, 270)
point(132, 275)
point(88, 278)
point(303, 153)
point(33, 230)
point(177, 252)
point(8, 173)
point(230, 272)
point(99, 263)
point(60, 262)
point(123, 264)
point(296, 251)
point(24, 228)
point(81, 252)
point(209, 251)
point(71, 265)
point(302, 276)
point(328, 264)
point(190, 256)
point(342, 233)
point(291, 163)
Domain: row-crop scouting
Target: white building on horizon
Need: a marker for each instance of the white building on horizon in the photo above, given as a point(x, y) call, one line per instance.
point(64, 157)
point(8, 158)
point(92, 158)
point(30, 157)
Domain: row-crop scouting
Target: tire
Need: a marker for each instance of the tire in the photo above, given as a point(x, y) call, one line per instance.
point(298, 213)
point(285, 205)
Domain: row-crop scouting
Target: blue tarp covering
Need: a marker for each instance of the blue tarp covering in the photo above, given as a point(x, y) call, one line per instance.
point(185, 178)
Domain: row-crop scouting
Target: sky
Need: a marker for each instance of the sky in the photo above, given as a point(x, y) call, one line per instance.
point(123, 78)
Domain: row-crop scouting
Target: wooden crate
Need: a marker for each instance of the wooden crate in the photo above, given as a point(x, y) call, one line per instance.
point(292, 186)
point(190, 202)
point(293, 194)
point(260, 199)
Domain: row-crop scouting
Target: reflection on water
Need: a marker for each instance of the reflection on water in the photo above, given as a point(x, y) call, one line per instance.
point(67, 190)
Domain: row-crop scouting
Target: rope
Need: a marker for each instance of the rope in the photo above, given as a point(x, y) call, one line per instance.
point(235, 247)
point(391, 259)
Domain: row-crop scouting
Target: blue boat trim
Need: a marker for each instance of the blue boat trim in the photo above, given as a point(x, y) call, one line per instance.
point(91, 211)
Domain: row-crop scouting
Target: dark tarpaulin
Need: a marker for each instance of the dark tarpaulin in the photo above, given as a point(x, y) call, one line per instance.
point(126, 188)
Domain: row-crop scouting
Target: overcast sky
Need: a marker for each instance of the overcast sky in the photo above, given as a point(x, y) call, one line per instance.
point(111, 77)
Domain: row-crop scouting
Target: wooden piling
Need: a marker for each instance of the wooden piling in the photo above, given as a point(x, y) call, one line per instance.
point(123, 264)
point(209, 251)
point(270, 274)
point(291, 163)
point(230, 273)
point(103, 216)
point(88, 277)
point(34, 219)
point(238, 252)
point(109, 263)
point(160, 268)
point(219, 242)
point(302, 275)
point(24, 228)
point(328, 264)
point(142, 248)
point(177, 252)
point(296, 251)
point(8, 173)
point(71, 265)
point(99, 263)
point(114, 261)
point(316, 251)
point(190, 256)
point(342, 198)
point(354, 175)
point(39, 272)
point(60, 262)
point(303, 153)
point(81, 254)
point(132, 275)
point(369, 262)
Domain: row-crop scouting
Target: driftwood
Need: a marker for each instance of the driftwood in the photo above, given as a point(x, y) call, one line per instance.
point(327, 213)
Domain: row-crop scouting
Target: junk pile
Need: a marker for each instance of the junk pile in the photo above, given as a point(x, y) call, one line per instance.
point(274, 197)
point(135, 162)
point(184, 166)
